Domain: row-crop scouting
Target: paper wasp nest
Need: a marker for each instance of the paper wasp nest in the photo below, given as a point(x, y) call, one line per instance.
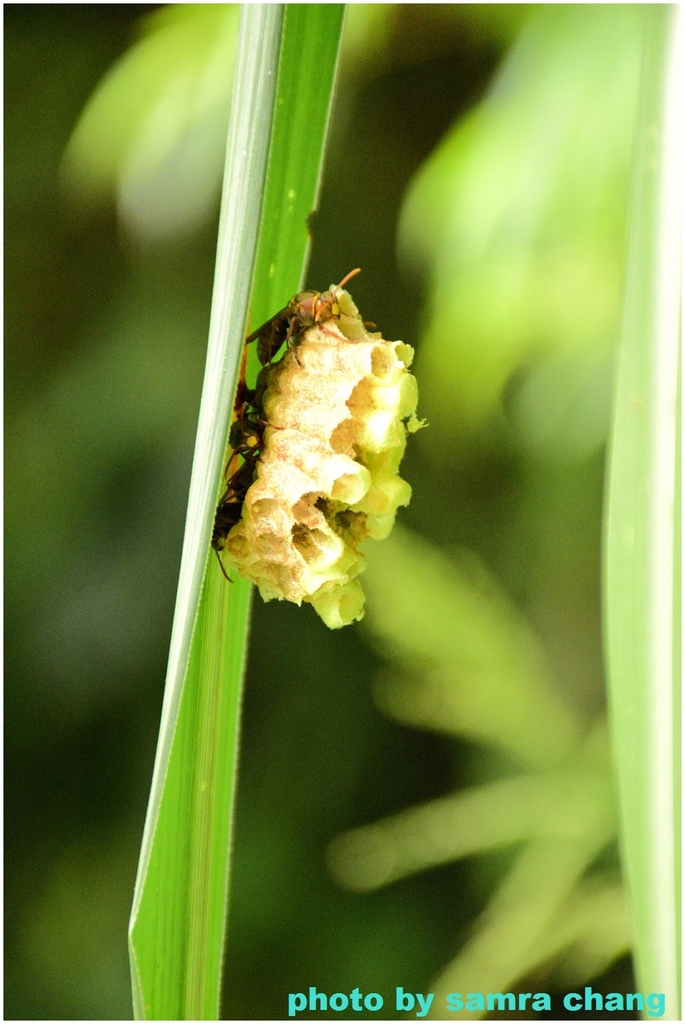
point(327, 478)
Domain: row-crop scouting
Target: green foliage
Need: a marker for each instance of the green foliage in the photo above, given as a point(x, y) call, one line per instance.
point(178, 918)
point(177, 927)
point(520, 216)
point(519, 220)
point(154, 131)
point(482, 791)
point(642, 608)
point(486, 678)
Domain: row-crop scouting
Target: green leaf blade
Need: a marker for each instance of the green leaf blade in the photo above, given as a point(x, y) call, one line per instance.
point(642, 540)
point(300, 124)
point(178, 919)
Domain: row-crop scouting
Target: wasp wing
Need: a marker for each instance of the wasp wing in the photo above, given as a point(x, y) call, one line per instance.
point(267, 323)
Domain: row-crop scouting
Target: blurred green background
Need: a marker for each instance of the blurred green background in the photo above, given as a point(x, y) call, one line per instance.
point(477, 172)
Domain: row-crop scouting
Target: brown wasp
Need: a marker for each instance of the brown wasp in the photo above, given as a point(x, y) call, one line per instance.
point(230, 507)
point(303, 310)
point(245, 439)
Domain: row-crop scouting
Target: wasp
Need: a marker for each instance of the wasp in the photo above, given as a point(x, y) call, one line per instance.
point(230, 507)
point(246, 438)
point(304, 310)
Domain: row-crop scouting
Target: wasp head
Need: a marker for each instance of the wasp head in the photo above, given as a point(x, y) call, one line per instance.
point(305, 305)
point(326, 306)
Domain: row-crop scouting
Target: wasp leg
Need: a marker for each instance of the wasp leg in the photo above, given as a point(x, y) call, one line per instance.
point(221, 565)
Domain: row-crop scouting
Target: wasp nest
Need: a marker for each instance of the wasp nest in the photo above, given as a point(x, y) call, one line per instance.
point(338, 406)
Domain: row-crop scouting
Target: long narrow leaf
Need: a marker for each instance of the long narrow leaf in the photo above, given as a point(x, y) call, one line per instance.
point(178, 919)
point(300, 123)
point(642, 543)
point(175, 937)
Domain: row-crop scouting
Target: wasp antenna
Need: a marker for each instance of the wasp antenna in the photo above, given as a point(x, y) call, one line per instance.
point(345, 279)
point(221, 565)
